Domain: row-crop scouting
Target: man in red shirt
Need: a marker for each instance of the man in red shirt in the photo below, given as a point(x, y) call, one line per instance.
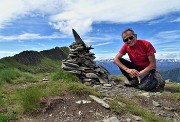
point(141, 54)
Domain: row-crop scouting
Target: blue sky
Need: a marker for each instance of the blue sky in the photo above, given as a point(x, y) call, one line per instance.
point(45, 24)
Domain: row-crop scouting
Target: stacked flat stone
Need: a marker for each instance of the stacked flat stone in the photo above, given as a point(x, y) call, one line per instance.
point(80, 62)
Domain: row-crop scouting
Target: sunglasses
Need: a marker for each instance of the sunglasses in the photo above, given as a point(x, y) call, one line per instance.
point(129, 38)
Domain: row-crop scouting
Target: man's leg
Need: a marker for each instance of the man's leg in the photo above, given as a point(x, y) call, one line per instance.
point(129, 65)
point(132, 81)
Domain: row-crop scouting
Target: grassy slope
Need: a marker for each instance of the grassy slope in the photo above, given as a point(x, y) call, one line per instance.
point(46, 65)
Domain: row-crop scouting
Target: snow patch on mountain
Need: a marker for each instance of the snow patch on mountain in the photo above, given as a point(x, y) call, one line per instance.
point(162, 65)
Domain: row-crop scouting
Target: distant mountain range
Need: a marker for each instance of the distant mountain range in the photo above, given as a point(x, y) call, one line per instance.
point(169, 68)
point(50, 60)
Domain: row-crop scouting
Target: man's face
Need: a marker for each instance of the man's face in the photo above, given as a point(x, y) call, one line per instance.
point(129, 38)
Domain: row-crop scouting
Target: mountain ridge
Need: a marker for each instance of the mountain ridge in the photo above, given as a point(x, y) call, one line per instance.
point(34, 57)
point(34, 61)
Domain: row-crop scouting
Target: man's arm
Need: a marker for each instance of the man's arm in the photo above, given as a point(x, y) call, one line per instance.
point(118, 62)
point(151, 66)
point(132, 72)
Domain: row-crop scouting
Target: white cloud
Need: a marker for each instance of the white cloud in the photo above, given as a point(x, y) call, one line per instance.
point(28, 36)
point(81, 14)
point(176, 20)
point(167, 44)
point(78, 12)
point(4, 53)
point(14, 9)
point(65, 26)
point(171, 38)
point(100, 44)
point(168, 55)
point(169, 35)
point(151, 22)
point(100, 38)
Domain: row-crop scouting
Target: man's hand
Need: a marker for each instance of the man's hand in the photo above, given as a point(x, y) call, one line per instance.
point(133, 72)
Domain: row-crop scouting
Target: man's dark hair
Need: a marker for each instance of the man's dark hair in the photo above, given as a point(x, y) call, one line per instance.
point(128, 29)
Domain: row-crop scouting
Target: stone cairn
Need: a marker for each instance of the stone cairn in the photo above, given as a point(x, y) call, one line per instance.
point(80, 62)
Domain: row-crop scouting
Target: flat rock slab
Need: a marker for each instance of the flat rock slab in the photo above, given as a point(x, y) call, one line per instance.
point(100, 101)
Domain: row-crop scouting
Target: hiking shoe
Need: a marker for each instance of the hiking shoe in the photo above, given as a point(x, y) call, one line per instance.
point(132, 83)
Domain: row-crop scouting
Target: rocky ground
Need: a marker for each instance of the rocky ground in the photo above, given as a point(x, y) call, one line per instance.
point(78, 107)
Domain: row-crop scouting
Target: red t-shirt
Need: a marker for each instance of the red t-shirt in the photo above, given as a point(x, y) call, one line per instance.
point(139, 53)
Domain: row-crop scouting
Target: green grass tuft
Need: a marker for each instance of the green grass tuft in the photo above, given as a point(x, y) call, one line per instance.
point(172, 90)
point(115, 107)
point(172, 95)
point(30, 99)
point(68, 77)
point(173, 85)
point(119, 78)
point(27, 77)
point(8, 75)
